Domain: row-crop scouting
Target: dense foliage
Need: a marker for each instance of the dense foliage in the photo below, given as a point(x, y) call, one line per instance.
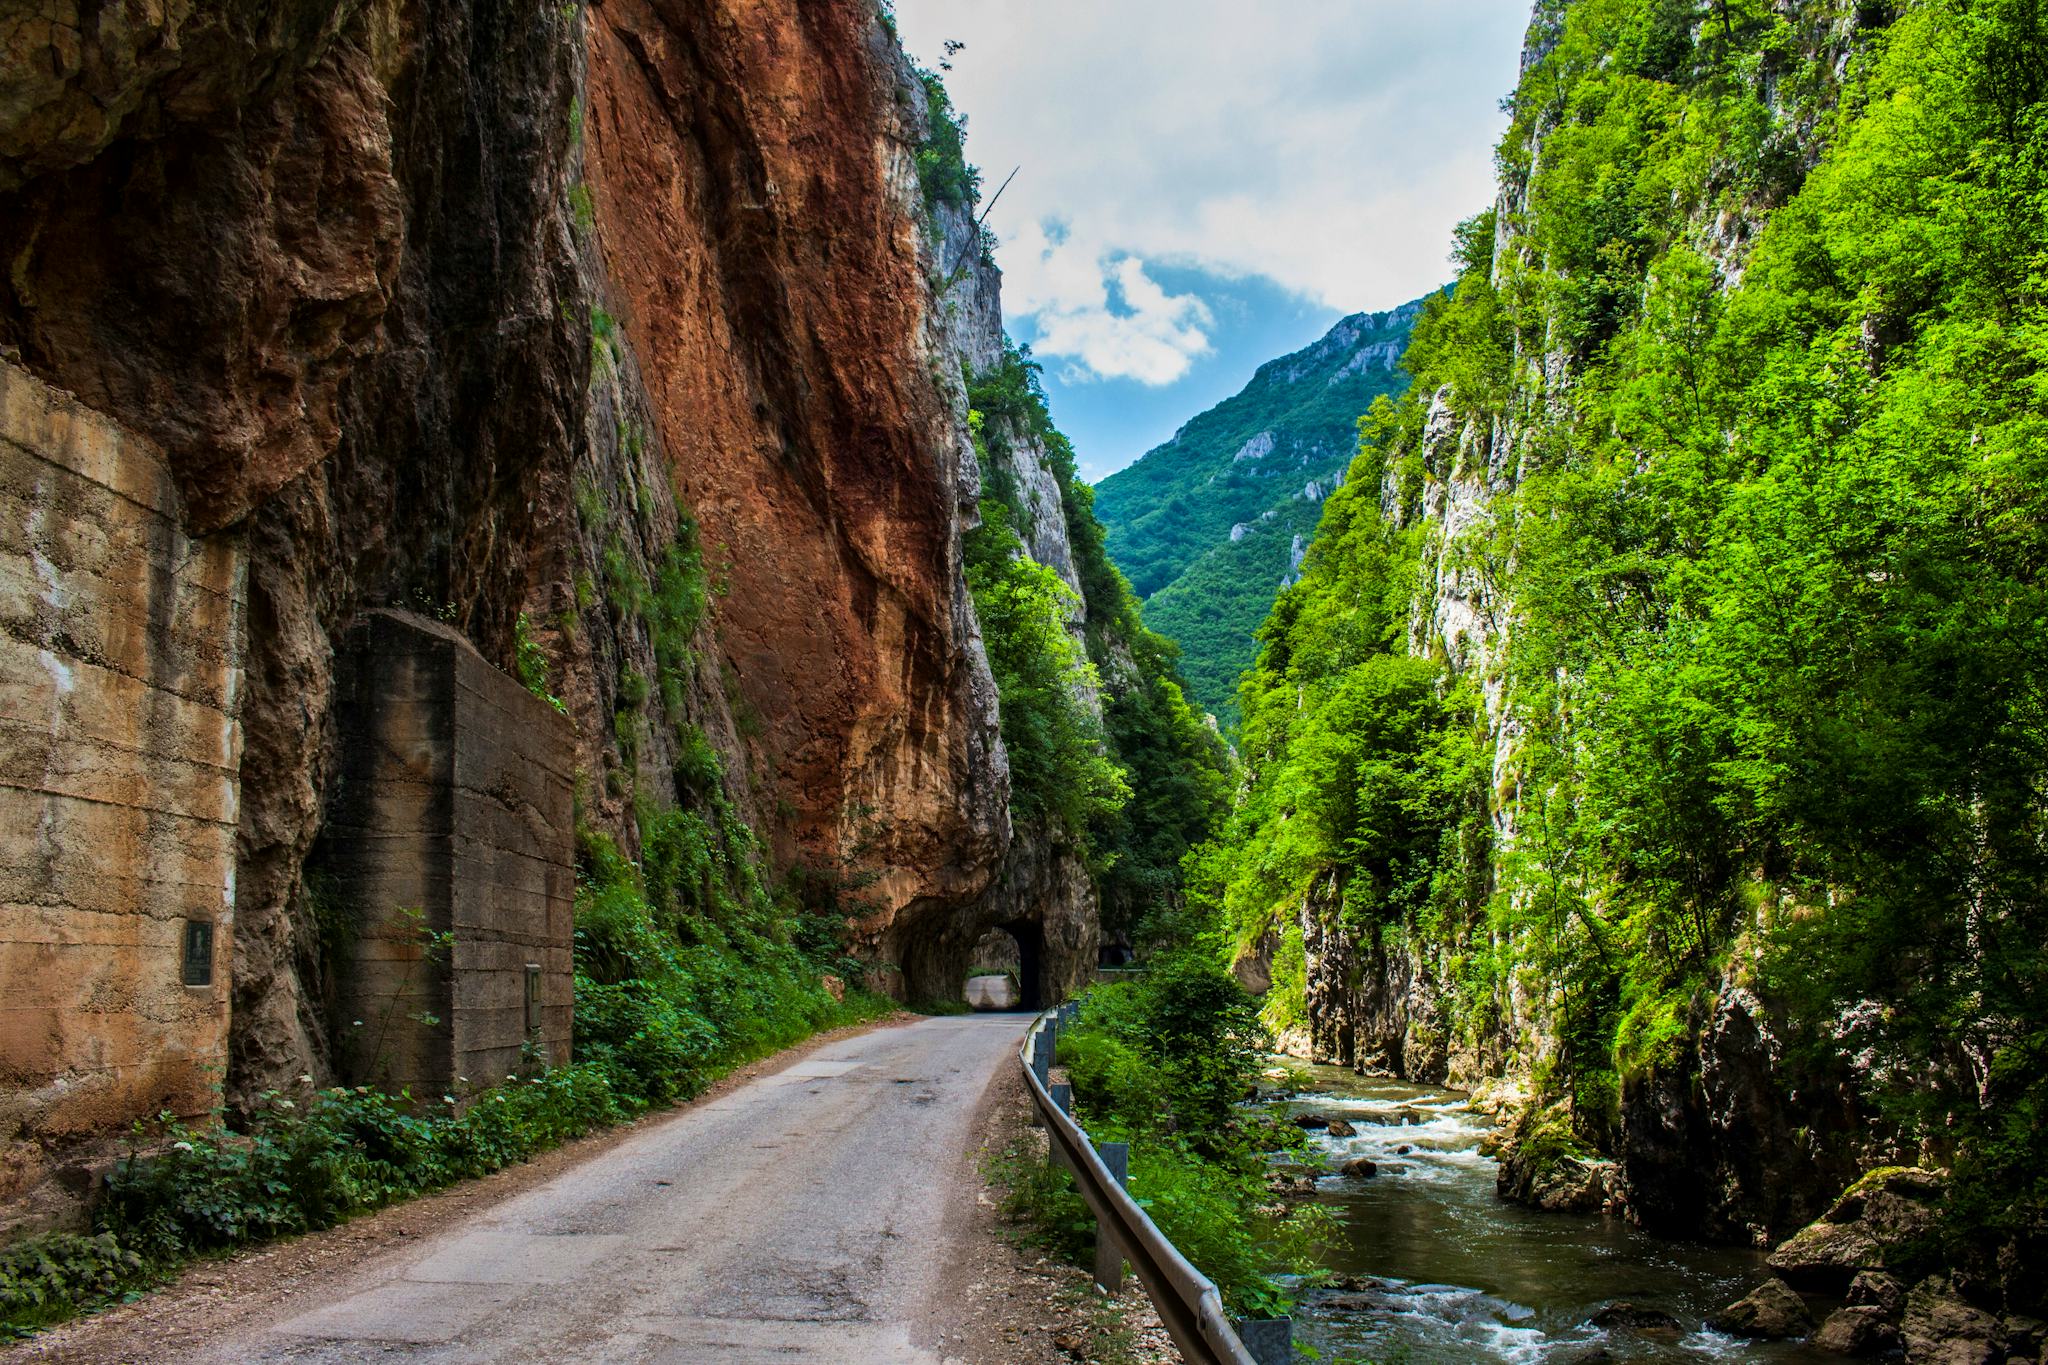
point(1764, 547)
point(1148, 780)
point(943, 171)
point(1161, 1064)
point(1260, 461)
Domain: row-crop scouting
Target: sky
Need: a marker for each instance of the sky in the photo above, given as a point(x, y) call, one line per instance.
point(1203, 185)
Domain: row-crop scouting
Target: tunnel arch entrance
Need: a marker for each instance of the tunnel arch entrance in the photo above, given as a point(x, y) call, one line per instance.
point(1031, 982)
point(1016, 949)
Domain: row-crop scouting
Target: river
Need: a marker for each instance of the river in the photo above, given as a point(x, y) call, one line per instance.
point(1451, 1273)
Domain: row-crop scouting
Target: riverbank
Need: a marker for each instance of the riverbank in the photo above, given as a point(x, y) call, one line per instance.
point(1429, 1265)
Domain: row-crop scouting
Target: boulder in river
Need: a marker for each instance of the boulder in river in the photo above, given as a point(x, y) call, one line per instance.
point(1876, 1223)
point(1859, 1330)
point(1556, 1183)
point(1295, 1183)
point(1339, 1128)
point(1944, 1328)
point(1635, 1317)
point(1874, 1288)
point(1772, 1311)
point(1403, 1150)
point(1363, 1167)
point(1311, 1121)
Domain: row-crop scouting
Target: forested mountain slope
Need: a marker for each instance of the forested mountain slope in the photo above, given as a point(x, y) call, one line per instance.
point(1658, 724)
point(1209, 524)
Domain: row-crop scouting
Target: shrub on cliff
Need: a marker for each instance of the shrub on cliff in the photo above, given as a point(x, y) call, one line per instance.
point(943, 171)
point(1177, 770)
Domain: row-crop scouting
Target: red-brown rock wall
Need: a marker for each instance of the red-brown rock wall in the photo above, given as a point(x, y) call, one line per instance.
point(792, 388)
point(336, 262)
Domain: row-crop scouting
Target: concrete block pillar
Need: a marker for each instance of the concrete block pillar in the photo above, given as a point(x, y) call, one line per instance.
point(449, 849)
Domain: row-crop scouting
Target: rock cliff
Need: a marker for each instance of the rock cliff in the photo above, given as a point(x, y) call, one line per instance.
point(618, 338)
point(1732, 1131)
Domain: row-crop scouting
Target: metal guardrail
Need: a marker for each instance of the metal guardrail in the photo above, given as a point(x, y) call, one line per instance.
point(1188, 1301)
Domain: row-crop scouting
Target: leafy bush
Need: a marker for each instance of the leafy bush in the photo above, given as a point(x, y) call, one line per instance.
point(44, 1279)
point(1162, 1063)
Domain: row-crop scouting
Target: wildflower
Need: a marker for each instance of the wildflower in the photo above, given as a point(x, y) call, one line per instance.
point(182, 1146)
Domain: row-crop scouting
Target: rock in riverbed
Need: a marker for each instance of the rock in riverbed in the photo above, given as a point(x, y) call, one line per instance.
point(1877, 1220)
point(1859, 1330)
point(1339, 1128)
point(1874, 1288)
point(1362, 1167)
point(1943, 1328)
point(1635, 1317)
point(1772, 1312)
point(1311, 1121)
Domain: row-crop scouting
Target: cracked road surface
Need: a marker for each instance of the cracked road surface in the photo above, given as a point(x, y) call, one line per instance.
point(810, 1215)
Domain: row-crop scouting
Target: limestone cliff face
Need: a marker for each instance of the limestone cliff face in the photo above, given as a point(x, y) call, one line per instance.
point(1736, 1137)
point(475, 312)
point(1042, 893)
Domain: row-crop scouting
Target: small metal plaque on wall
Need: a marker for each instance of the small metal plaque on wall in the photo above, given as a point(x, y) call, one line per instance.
point(533, 997)
point(198, 952)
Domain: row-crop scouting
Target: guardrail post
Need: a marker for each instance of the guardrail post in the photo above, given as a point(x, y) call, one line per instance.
point(1109, 1254)
point(1041, 1059)
point(1063, 1096)
point(1269, 1340)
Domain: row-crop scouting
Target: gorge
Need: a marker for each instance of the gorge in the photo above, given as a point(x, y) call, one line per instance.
point(534, 578)
point(617, 355)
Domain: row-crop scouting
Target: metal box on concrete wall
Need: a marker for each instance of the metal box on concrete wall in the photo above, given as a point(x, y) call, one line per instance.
point(448, 850)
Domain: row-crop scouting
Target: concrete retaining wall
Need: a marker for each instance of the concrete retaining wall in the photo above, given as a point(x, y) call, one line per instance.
point(451, 841)
point(120, 663)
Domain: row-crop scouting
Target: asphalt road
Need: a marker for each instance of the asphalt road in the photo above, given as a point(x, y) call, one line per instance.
point(810, 1215)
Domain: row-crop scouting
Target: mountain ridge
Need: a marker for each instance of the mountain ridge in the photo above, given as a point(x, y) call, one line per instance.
point(1210, 523)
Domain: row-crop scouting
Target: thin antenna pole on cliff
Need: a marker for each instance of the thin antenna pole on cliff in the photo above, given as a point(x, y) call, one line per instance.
point(953, 275)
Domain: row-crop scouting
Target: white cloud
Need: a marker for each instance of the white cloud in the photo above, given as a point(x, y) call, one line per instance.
point(1101, 309)
point(1329, 145)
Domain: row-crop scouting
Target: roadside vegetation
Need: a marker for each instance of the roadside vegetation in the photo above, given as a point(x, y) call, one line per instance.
point(1163, 1064)
point(687, 967)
